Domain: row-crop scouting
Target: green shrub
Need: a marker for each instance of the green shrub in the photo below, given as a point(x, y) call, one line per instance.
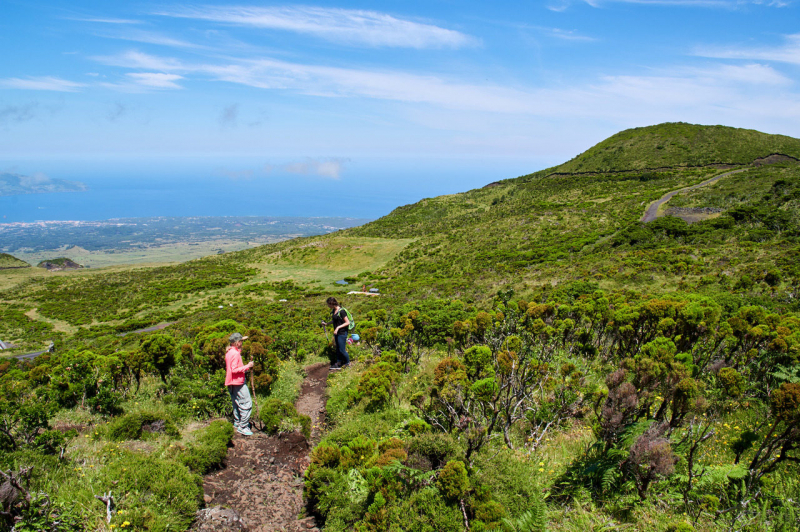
point(202, 395)
point(326, 455)
point(731, 382)
point(376, 386)
point(453, 481)
point(377, 425)
point(426, 510)
point(280, 416)
point(416, 427)
point(141, 425)
point(680, 527)
point(209, 448)
point(433, 450)
point(154, 494)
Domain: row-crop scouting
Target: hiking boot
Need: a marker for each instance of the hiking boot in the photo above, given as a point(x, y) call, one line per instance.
point(245, 432)
point(336, 366)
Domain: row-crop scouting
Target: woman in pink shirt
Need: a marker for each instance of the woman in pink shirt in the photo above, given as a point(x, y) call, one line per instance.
point(234, 380)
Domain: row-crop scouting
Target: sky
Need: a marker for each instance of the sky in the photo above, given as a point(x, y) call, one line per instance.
point(317, 92)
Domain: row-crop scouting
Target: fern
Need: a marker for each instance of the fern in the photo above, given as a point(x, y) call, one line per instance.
point(784, 374)
point(534, 520)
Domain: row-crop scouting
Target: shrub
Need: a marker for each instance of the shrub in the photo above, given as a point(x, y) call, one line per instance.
point(209, 448)
point(377, 425)
point(452, 480)
point(326, 455)
point(155, 494)
point(731, 381)
point(433, 450)
point(278, 416)
point(53, 441)
point(376, 386)
point(683, 526)
point(140, 425)
point(417, 426)
point(426, 510)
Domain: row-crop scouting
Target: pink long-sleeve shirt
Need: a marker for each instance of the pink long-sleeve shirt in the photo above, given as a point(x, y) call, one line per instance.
point(234, 369)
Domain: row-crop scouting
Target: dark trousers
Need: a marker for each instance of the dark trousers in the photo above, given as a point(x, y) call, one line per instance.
point(341, 348)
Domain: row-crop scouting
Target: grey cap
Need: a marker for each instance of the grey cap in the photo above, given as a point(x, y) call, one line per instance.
point(235, 337)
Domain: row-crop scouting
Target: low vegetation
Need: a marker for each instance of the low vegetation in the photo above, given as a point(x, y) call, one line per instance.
point(541, 360)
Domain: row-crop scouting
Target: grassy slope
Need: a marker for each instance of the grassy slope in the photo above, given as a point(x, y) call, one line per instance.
point(536, 229)
point(540, 228)
point(679, 144)
point(10, 261)
point(548, 228)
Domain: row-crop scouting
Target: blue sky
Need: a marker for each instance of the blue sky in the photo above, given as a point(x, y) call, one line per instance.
point(312, 89)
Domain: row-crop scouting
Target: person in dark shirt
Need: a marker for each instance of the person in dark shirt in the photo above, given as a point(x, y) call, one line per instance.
point(341, 326)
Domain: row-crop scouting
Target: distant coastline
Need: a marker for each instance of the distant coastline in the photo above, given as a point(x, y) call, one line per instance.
point(16, 184)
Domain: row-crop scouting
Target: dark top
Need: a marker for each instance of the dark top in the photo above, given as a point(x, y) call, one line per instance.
point(338, 319)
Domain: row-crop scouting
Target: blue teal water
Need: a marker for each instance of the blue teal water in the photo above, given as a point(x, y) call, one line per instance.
point(129, 188)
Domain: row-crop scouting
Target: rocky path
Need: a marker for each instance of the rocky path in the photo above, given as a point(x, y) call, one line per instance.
point(261, 487)
point(652, 210)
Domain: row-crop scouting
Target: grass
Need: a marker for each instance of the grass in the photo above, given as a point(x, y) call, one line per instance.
point(9, 261)
point(168, 253)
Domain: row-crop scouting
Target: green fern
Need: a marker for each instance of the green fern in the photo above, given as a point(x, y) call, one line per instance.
point(534, 520)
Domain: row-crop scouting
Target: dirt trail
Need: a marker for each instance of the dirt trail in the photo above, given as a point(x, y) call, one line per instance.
point(652, 211)
point(261, 487)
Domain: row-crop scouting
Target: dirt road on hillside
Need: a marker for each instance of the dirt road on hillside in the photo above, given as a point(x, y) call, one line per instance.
point(652, 211)
point(261, 487)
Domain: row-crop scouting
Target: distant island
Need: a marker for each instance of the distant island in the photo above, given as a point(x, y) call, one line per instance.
point(15, 184)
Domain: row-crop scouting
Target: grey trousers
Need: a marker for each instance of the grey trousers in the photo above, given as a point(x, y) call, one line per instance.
point(242, 405)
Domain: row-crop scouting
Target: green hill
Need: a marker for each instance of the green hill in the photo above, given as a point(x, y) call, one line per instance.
point(61, 263)
point(9, 261)
point(550, 227)
point(538, 359)
point(679, 144)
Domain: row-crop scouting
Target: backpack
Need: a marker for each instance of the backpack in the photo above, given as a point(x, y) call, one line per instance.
point(352, 324)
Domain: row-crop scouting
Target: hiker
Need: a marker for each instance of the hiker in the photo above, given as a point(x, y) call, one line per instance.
point(341, 327)
point(234, 380)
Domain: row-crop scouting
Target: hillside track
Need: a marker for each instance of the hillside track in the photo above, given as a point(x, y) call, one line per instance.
point(651, 213)
point(261, 487)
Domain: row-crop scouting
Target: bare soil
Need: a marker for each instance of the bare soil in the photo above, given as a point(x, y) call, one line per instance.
point(260, 489)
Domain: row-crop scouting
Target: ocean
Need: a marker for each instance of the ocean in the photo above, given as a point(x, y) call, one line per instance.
point(214, 186)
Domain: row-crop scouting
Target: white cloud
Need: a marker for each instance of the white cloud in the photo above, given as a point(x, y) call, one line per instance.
point(108, 20)
point(562, 5)
point(789, 52)
point(566, 35)
point(148, 37)
point(665, 93)
point(42, 83)
point(348, 26)
point(136, 59)
point(155, 80)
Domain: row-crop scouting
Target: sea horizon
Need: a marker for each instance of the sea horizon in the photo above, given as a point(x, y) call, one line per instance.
point(251, 187)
